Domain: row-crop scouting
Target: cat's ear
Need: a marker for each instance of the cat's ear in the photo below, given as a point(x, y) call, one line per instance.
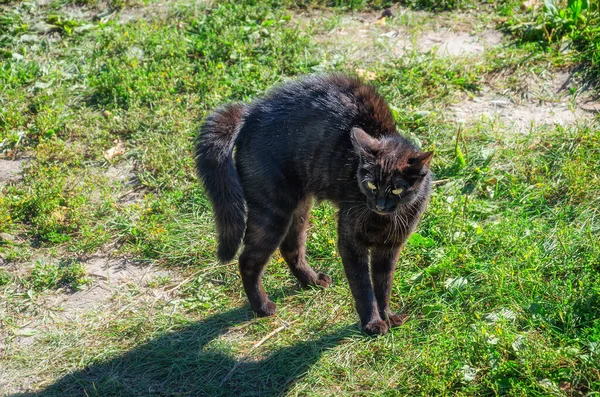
point(419, 160)
point(363, 142)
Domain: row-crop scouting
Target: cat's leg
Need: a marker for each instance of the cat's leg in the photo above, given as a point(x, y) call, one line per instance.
point(265, 228)
point(355, 258)
point(383, 265)
point(293, 248)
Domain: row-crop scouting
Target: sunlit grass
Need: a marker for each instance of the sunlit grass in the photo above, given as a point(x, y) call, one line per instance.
point(501, 279)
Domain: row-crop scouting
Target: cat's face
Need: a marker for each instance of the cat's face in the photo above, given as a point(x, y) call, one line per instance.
point(388, 175)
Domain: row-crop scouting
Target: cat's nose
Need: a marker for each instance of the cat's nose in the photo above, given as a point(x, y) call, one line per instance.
point(380, 205)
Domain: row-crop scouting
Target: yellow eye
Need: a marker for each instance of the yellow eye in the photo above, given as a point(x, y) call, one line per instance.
point(397, 192)
point(371, 186)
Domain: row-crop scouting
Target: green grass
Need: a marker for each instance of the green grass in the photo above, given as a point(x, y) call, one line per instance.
point(562, 26)
point(51, 276)
point(501, 281)
point(453, 5)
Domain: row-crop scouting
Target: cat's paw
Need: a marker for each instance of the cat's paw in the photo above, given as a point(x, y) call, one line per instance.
point(377, 327)
point(397, 320)
point(323, 280)
point(267, 309)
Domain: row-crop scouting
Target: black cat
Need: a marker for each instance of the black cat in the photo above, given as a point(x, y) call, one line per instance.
point(325, 137)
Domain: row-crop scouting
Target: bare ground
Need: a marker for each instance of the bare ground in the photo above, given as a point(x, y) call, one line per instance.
point(11, 170)
point(368, 37)
point(108, 276)
point(537, 99)
point(124, 174)
point(110, 279)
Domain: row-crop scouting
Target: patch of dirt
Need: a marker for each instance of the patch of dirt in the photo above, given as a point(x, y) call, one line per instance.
point(125, 174)
point(354, 35)
point(108, 276)
point(364, 36)
point(8, 386)
point(591, 106)
point(99, 11)
point(104, 12)
point(112, 280)
point(77, 12)
point(450, 43)
point(519, 118)
point(531, 100)
point(11, 170)
point(150, 11)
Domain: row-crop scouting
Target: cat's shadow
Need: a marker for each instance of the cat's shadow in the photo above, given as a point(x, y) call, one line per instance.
point(185, 363)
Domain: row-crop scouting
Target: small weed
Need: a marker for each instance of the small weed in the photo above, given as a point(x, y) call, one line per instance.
point(46, 276)
point(5, 277)
point(66, 26)
point(566, 25)
point(159, 281)
point(446, 5)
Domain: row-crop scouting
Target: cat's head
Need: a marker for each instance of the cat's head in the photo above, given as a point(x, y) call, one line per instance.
point(390, 173)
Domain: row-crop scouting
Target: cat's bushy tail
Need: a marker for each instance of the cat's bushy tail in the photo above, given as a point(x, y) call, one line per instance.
point(214, 162)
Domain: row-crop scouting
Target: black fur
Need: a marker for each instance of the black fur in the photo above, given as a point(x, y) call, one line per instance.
point(215, 167)
point(325, 137)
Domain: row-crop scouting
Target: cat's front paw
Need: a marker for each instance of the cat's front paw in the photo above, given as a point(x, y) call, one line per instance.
point(377, 327)
point(397, 320)
point(323, 280)
point(266, 309)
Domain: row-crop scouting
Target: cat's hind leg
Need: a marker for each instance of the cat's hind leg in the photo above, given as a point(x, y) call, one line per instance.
point(265, 228)
point(293, 248)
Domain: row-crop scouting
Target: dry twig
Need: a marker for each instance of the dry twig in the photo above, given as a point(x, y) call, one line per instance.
point(256, 346)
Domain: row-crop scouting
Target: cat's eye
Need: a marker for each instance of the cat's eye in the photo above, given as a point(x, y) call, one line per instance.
point(398, 191)
point(371, 186)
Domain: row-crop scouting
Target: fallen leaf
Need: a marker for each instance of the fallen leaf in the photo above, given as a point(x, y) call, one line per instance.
point(366, 74)
point(117, 150)
point(381, 21)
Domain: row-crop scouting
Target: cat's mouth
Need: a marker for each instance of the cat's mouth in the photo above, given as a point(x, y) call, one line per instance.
point(383, 212)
